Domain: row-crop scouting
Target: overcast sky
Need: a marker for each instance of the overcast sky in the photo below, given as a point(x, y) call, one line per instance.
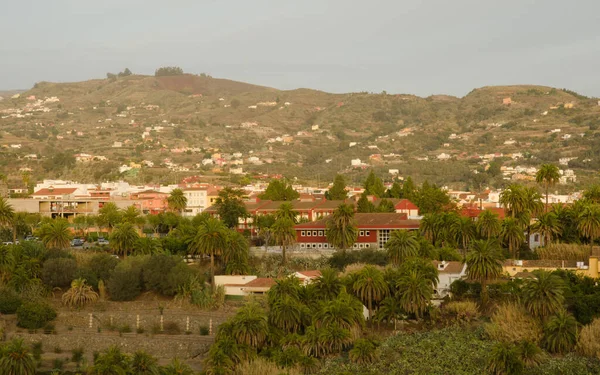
point(419, 46)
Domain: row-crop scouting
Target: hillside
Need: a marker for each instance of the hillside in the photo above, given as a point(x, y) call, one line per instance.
point(197, 125)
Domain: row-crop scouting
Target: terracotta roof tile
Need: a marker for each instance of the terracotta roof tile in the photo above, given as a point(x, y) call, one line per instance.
point(310, 274)
point(371, 221)
point(55, 191)
point(451, 267)
point(261, 282)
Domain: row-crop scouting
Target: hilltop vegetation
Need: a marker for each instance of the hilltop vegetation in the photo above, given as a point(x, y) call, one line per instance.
point(300, 133)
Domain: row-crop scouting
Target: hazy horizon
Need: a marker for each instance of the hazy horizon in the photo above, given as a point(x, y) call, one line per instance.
point(335, 46)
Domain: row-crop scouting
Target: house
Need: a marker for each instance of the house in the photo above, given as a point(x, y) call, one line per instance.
point(55, 193)
point(117, 144)
point(151, 201)
point(260, 285)
point(307, 277)
point(373, 231)
point(233, 283)
point(443, 156)
point(196, 200)
point(355, 162)
point(506, 101)
point(448, 272)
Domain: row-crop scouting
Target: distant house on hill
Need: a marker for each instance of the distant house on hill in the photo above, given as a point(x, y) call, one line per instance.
point(506, 101)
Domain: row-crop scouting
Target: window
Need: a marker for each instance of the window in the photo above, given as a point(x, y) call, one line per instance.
point(361, 246)
point(325, 245)
point(383, 237)
point(320, 246)
point(303, 233)
point(314, 233)
point(302, 245)
point(362, 233)
point(536, 238)
point(367, 233)
point(308, 233)
point(321, 233)
point(314, 246)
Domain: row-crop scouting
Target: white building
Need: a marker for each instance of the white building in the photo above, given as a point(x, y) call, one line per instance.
point(197, 200)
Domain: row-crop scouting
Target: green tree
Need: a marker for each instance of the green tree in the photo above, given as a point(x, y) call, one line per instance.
point(513, 199)
point(395, 191)
point(236, 253)
point(7, 214)
point(288, 314)
point(338, 190)
point(548, 175)
point(328, 285)
point(210, 239)
point(147, 246)
point(488, 224)
point(124, 238)
point(370, 286)
point(79, 295)
point(177, 201)
point(177, 367)
point(415, 291)
point(342, 231)
point(409, 189)
point(109, 215)
point(374, 186)
point(168, 71)
point(286, 211)
point(250, 325)
point(560, 333)
point(543, 295)
point(15, 359)
point(279, 190)
point(548, 226)
point(230, 206)
point(364, 205)
point(402, 245)
point(505, 360)
point(513, 235)
point(588, 222)
point(385, 206)
point(133, 216)
point(111, 362)
point(390, 310)
point(465, 232)
point(284, 234)
point(56, 234)
point(484, 264)
point(143, 363)
point(363, 352)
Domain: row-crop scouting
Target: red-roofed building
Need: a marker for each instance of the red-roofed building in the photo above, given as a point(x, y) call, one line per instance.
point(56, 193)
point(307, 277)
point(259, 285)
point(373, 231)
point(473, 211)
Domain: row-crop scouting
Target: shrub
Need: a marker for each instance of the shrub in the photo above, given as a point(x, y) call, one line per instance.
point(88, 275)
point(511, 323)
point(204, 331)
point(125, 284)
point(462, 312)
point(9, 301)
point(157, 274)
point(59, 272)
point(34, 315)
point(36, 350)
point(172, 328)
point(561, 251)
point(58, 364)
point(177, 277)
point(587, 343)
point(102, 266)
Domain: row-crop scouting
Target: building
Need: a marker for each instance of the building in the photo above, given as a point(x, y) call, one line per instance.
point(374, 231)
point(197, 200)
point(448, 272)
point(151, 201)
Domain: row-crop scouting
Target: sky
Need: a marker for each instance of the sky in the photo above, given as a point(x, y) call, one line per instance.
point(415, 47)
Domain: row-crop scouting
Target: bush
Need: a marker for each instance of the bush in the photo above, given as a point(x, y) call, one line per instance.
point(34, 315)
point(511, 323)
point(102, 265)
point(9, 301)
point(125, 282)
point(171, 328)
point(88, 275)
point(156, 273)
point(59, 272)
point(462, 312)
point(204, 331)
point(176, 278)
point(587, 343)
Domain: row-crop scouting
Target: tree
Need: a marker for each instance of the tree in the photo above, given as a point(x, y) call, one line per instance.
point(79, 295)
point(548, 175)
point(385, 206)
point(123, 239)
point(374, 186)
point(177, 201)
point(395, 191)
point(6, 213)
point(370, 286)
point(16, 359)
point(56, 234)
point(125, 73)
point(250, 325)
point(133, 216)
point(512, 234)
point(284, 234)
point(504, 360)
point(236, 253)
point(338, 190)
point(363, 352)
point(111, 362)
point(415, 291)
point(342, 231)
point(512, 198)
point(176, 367)
point(548, 226)
point(147, 246)
point(287, 314)
point(543, 295)
point(488, 224)
point(209, 240)
point(465, 232)
point(328, 286)
point(143, 363)
point(364, 205)
point(230, 206)
point(390, 310)
point(109, 215)
point(279, 190)
point(168, 71)
point(560, 333)
point(402, 245)
point(588, 222)
point(484, 264)
point(286, 211)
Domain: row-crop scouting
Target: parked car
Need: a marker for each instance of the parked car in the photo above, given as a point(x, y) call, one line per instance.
point(31, 238)
point(102, 241)
point(77, 242)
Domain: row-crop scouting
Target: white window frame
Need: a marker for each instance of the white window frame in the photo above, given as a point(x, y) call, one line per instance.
point(320, 246)
point(308, 233)
point(362, 233)
point(321, 234)
point(367, 233)
point(303, 233)
point(302, 245)
point(314, 233)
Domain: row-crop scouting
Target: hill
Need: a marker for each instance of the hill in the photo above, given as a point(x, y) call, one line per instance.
point(199, 125)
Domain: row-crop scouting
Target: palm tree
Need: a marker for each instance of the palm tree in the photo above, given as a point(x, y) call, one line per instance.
point(341, 227)
point(335, 338)
point(505, 360)
point(250, 325)
point(56, 234)
point(415, 291)
point(588, 222)
point(560, 333)
point(143, 363)
point(109, 215)
point(512, 234)
point(345, 311)
point(390, 310)
point(548, 175)
point(328, 286)
point(177, 201)
point(80, 223)
point(176, 367)
point(287, 314)
point(236, 253)
point(465, 232)
point(286, 210)
point(512, 198)
point(548, 226)
point(124, 238)
point(488, 225)
point(543, 296)
point(7, 261)
point(133, 216)
point(484, 264)
point(370, 286)
point(210, 239)
point(530, 354)
point(111, 362)
point(429, 227)
point(284, 233)
point(532, 201)
point(16, 359)
point(402, 245)
point(79, 295)
point(147, 246)
point(284, 287)
point(6, 213)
